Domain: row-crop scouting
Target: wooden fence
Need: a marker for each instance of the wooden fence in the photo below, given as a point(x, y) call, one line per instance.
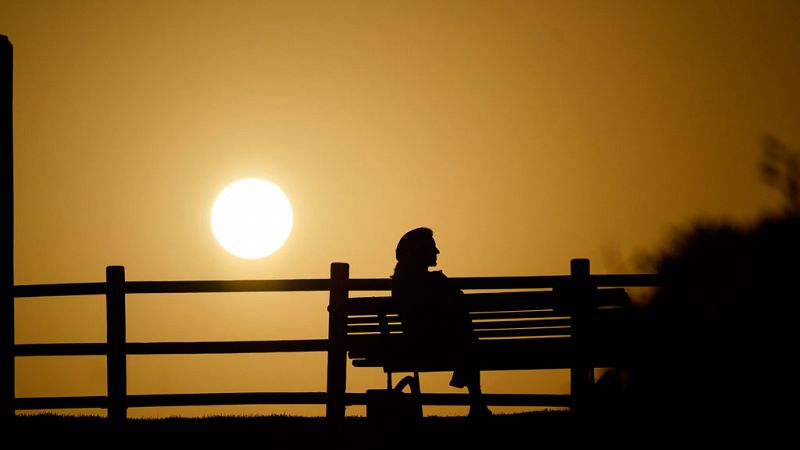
point(116, 287)
point(339, 285)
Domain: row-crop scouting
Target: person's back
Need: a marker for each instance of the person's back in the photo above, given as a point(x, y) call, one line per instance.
point(433, 317)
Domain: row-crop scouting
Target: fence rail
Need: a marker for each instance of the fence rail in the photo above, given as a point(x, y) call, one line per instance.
point(175, 348)
point(117, 348)
point(261, 398)
point(319, 285)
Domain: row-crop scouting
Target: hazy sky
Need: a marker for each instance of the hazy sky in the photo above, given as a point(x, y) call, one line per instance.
point(523, 133)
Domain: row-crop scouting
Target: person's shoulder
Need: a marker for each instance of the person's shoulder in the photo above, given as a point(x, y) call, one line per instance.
point(437, 275)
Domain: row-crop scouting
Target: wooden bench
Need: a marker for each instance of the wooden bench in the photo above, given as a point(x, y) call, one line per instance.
point(544, 323)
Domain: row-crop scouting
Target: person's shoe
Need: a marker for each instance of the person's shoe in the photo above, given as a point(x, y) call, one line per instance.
point(476, 411)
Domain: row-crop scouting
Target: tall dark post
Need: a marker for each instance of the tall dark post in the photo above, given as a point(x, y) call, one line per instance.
point(7, 382)
point(582, 371)
point(337, 333)
point(116, 360)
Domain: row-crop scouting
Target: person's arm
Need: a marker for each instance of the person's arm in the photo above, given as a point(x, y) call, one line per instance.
point(442, 283)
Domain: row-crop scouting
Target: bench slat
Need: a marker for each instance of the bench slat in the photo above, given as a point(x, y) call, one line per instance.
point(517, 324)
point(478, 325)
point(481, 316)
point(373, 328)
point(511, 354)
point(375, 338)
point(531, 300)
point(523, 332)
point(355, 320)
point(488, 315)
point(496, 301)
point(491, 355)
point(476, 316)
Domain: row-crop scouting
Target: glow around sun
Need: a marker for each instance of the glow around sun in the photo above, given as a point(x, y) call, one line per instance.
point(251, 218)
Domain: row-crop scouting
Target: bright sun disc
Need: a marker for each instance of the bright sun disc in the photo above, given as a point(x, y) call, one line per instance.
point(251, 218)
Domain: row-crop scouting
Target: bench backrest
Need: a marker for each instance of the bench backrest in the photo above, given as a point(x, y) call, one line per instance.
point(530, 328)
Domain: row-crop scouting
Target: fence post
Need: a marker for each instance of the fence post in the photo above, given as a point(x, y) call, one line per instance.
point(116, 360)
point(582, 371)
point(337, 333)
point(7, 383)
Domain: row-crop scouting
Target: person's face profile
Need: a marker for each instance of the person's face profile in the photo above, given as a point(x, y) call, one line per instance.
point(432, 252)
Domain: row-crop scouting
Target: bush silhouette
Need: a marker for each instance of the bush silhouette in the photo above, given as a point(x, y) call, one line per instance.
point(718, 335)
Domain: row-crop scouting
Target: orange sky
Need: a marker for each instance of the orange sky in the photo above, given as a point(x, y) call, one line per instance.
point(523, 133)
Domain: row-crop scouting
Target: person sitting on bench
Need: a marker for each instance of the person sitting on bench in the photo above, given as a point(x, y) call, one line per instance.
point(434, 321)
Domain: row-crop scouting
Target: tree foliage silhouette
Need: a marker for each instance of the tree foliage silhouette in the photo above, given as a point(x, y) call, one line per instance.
point(780, 168)
point(718, 335)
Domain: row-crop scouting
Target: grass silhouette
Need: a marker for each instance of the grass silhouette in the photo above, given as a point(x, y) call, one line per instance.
point(249, 431)
point(541, 428)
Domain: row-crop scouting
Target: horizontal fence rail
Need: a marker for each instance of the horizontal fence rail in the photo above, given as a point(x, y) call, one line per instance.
point(100, 402)
point(116, 288)
point(60, 290)
point(277, 398)
point(320, 285)
point(175, 348)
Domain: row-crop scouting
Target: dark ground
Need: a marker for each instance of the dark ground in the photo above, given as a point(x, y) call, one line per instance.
point(539, 429)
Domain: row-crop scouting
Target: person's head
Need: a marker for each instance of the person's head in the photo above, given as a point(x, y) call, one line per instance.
point(417, 249)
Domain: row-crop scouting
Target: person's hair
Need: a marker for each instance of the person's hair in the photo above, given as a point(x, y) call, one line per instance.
point(413, 245)
point(412, 248)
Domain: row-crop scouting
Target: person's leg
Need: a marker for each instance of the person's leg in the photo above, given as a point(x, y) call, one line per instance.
point(477, 406)
point(458, 379)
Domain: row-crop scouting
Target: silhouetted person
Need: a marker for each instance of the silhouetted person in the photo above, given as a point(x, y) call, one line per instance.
point(436, 324)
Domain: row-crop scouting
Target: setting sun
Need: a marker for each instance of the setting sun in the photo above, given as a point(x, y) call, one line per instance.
point(251, 218)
